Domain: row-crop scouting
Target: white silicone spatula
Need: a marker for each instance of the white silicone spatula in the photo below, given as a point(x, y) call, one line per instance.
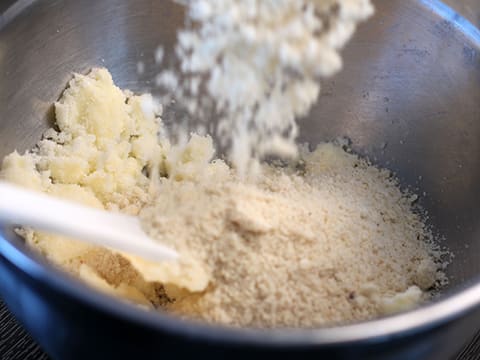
point(19, 206)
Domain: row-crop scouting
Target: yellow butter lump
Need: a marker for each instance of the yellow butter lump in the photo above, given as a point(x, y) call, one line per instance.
point(107, 140)
point(105, 144)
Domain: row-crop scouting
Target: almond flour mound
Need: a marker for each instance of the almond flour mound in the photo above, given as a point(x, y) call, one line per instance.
point(336, 243)
point(330, 239)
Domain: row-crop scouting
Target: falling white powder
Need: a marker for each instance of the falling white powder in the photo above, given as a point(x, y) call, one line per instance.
point(159, 53)
point(140, 67)
point(255, 65)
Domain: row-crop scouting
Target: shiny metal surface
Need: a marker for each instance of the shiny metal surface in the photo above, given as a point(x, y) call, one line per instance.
point(408, 98)
point(469, 9)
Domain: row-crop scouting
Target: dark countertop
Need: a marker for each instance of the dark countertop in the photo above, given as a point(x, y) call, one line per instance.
point(16, 343)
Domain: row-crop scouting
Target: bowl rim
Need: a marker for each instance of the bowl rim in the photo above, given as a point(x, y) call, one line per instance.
point(423, 318)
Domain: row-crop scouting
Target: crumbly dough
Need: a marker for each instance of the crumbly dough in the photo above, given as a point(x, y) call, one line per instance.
point(330, 239)
point(105, 145)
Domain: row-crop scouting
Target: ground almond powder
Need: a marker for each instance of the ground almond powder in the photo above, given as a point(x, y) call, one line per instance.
point(334, 243)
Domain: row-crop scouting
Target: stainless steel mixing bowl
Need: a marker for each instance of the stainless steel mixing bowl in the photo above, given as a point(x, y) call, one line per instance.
point(409, 98)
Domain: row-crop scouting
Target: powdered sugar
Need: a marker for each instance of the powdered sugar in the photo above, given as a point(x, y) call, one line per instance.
point(255, 65)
